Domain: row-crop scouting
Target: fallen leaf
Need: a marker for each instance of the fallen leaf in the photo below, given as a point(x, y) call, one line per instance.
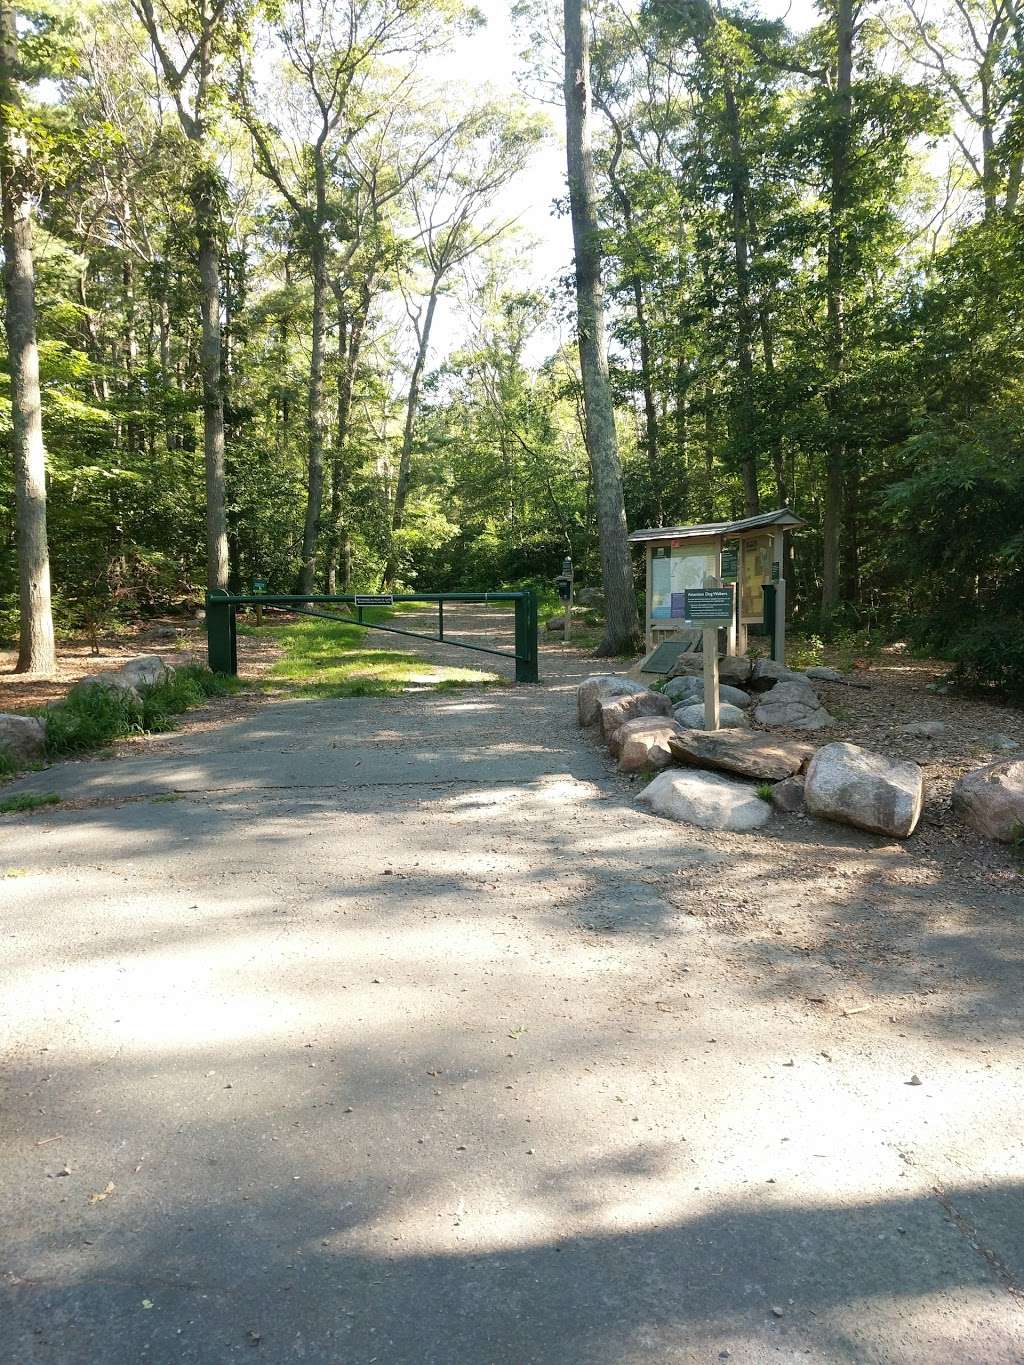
point(104, 1194)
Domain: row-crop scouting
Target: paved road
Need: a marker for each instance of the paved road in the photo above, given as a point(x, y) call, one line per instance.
point(373, 1031)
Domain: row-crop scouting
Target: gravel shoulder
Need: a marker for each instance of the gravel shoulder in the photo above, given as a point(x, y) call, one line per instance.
point(393, 1030)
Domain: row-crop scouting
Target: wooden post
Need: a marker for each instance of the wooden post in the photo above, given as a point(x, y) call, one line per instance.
point(710, 646)
point(567, 630)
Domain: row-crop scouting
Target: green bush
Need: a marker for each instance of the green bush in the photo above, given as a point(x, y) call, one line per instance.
point(990, 656)
point(92, 717)
point(12, 805)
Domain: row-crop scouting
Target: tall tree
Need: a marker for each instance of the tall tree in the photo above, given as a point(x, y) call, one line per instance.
point(840, 126)
point(36, 653)
point(187, 37)
point(488, 148)
point(622, 624)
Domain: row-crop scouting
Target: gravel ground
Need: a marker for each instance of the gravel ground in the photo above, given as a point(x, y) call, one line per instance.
point(392, 1030)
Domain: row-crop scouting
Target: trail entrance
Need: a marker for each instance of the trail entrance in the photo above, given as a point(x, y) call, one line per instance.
point(221, 609)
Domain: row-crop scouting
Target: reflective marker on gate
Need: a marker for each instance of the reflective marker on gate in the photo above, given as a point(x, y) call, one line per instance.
point(370, 599)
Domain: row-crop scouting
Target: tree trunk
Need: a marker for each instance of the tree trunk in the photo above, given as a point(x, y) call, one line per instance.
point(213, 396)
point(622, 625)
point(36, 653)
point(411, 409)
point(315, 467)
point(831, 524)
point(743, 411)
point(350, 340)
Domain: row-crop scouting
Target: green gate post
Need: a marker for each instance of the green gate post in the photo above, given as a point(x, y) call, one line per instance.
point(221, 645)
point(526, 637)
point(768, 589)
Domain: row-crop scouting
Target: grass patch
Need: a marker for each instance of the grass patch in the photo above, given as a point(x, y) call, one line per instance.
point(94, 717)
point(331, 659)
point(28, 801)
point(764, 791)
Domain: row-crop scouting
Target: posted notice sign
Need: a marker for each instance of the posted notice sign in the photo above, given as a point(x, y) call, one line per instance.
point(374, 599)
point(707, 607)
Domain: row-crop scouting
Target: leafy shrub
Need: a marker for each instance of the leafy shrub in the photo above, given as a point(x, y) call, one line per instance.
point(990, 656)
point(93, 717)
point(27, 801)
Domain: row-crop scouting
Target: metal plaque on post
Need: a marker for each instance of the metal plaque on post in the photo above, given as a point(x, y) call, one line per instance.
point(710, 608)
point(707, 607)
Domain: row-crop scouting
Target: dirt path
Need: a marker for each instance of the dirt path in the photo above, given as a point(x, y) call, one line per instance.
point(392, 1030)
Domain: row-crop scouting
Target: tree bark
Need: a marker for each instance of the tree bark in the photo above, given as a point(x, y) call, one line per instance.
point(835, 269)
point(204, 194)
point(411, 409)
point(315, 464)
point(350, 340)
point(743, 410)
point(213, 397)
point(36, 652)
point(622, 624)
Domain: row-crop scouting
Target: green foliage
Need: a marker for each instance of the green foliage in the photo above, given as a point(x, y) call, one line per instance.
point(989, 655)
point(713, 141)
point(93, 717)
point(27, 801)
point(764, 791)
point(332, 659)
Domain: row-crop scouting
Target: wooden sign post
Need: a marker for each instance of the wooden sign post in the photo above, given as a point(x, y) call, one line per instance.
point(709, 608)
point(259, 585)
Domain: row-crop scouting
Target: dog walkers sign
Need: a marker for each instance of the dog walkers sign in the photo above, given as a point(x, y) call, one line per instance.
point(710, 608)
point(707, 607)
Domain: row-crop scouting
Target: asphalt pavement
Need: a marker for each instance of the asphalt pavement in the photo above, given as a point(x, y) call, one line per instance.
point(369, 1031)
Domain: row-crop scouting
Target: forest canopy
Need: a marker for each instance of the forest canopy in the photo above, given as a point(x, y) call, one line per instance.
point(250, 217)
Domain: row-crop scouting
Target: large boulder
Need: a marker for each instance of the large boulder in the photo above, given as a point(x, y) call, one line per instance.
point(690, 690)
point(600, 688)
point(705, 799)
point(857, 787)
point(923, 729)
point(616, 710)
point(793, 703)
point(643, 743)
point(766, 674)
point(735, 670)
point(821, 674)
point(735, 696)
point(683, 687)
point(788, 795)
point(991, 800)
point(145, 671)
point(590, 597)
point(114, 681)
point(22, 738)
point(689, 663)
point(691, 715)
point(749, 754)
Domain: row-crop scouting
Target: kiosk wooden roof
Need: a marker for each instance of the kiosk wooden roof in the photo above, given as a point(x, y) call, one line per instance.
point(783, 518)
point(681, 557)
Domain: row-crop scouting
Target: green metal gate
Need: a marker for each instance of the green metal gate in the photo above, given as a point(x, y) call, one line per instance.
point(222, 649)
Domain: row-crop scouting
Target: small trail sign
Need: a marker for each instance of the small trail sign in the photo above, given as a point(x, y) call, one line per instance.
point(709, 606)
point(259, 585)
point(373, 599)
